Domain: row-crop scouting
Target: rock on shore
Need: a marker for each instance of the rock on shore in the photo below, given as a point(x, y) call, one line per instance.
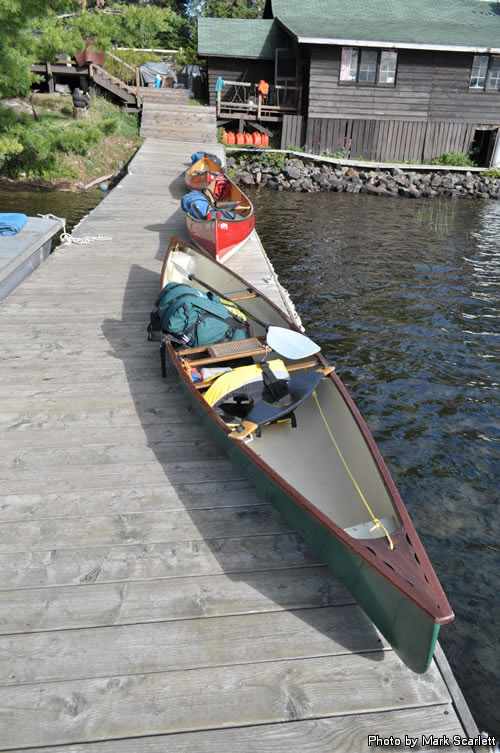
point(306, 175)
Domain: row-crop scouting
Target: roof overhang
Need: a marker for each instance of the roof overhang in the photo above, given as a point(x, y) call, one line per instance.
point(398, 45)
point(233, 57)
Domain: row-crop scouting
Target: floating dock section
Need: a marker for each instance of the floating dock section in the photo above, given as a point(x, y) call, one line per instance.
point(152, 601)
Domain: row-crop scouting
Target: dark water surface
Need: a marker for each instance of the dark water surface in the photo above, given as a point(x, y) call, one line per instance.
point(402, 295)
point(72, 206)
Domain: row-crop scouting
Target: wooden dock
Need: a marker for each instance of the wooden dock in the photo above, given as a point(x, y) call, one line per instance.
point(152, 601)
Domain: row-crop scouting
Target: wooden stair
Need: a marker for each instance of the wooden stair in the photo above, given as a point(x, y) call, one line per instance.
point(113, 84)
point(166, 116)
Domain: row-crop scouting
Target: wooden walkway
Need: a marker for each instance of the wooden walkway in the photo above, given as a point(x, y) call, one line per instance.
point(152, 602)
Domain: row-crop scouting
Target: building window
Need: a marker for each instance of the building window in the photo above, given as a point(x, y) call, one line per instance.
point(387, 72)
point(494, 79)
point(349, 64)
point(368, 66)
point(485, 72)
point(479, 71)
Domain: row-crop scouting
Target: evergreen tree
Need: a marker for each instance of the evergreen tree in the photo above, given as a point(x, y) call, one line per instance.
point(36, 31)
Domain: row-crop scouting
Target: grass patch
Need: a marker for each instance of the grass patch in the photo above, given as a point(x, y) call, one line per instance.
point(56, 147)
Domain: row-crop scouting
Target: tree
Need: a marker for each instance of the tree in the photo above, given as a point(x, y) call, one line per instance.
point(228, 8)
point(35, 31)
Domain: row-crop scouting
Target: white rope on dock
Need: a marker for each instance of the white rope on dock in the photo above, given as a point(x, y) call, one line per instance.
point(67, 238)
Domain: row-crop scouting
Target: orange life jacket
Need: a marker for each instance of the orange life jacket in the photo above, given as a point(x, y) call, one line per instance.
point(263, 88)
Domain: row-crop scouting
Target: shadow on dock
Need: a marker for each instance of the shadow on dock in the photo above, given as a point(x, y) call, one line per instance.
point(258, 548)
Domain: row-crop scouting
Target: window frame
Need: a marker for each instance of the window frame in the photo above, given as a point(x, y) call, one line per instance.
point(377, 82)
point(489, 70)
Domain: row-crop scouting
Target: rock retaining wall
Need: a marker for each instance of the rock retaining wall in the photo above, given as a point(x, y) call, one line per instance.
point(309, 176)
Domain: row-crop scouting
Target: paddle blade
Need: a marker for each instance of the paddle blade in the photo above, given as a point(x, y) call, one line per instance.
point(290, 344)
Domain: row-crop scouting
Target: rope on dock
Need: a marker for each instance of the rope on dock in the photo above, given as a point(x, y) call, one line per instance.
point(68, 239)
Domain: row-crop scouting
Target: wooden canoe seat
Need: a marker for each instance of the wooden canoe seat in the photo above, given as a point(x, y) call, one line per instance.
point(250, 346)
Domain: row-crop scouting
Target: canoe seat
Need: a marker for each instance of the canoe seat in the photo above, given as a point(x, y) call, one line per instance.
point(300, 387)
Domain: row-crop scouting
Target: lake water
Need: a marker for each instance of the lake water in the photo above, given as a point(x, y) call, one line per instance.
point(402, 295)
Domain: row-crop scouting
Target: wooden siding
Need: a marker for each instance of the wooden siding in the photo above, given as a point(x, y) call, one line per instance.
point(293, 131)
point(237, 69)
point(382, 140)
point(430, 86)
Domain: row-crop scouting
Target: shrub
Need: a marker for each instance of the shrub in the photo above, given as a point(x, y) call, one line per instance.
point(38, 155)
point(108, 126)
point(77, 137)
point(453, 159)
point(492, 172)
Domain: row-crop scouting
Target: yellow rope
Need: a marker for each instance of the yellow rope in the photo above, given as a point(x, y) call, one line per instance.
point(377, 524)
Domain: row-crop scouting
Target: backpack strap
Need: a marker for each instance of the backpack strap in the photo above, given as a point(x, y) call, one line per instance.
point(277, 388)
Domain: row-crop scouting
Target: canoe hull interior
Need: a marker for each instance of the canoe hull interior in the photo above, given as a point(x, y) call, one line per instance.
point(201, 173)
point(411, 632)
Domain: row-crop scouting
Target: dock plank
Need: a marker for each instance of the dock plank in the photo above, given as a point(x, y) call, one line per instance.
point(132, 602)
point(322, 735)
point(202, 699)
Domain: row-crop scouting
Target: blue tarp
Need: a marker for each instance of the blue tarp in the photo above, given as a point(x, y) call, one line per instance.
point(197, 205)
point(198, 155)
point(11, 222)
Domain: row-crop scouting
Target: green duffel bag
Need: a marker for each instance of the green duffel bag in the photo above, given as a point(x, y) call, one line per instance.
point(194, 318)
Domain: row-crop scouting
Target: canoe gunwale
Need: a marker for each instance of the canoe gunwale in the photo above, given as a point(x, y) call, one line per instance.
point(394, 566)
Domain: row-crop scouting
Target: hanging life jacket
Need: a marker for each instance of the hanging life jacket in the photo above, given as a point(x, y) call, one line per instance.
point(189, 316)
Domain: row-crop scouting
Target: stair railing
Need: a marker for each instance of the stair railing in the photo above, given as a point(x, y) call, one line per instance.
point(126, 73)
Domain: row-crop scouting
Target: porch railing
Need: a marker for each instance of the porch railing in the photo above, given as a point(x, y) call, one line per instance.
point(288, 99)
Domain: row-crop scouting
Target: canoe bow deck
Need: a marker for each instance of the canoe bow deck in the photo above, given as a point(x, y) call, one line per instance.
point(328, 479)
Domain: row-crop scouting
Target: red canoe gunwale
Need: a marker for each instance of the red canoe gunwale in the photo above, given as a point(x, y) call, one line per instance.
point(398, 566)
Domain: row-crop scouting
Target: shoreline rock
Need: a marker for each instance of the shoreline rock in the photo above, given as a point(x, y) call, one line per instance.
point(310, 176)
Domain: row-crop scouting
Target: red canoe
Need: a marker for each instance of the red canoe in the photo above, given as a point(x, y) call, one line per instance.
point(201, 173)
point(218, 235)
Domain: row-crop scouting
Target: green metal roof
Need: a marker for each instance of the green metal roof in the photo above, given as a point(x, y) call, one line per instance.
point(424, 23)
point(240, 37)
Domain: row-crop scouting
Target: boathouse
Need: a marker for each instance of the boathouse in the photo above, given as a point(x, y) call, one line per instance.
point(385, 80)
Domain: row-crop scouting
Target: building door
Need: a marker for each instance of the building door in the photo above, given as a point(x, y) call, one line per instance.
point(483, 146)
point(285, 76)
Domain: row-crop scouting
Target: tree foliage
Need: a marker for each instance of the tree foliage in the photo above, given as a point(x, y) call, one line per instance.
point(229, 8)
point(35, 31)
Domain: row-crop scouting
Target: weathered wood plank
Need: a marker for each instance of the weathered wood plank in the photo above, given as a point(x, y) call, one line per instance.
point(201, 699)
point(141, 528)
point(149, 562)
point(133, 499)
point(187, 644)
point(337, 733)
point(164, 600)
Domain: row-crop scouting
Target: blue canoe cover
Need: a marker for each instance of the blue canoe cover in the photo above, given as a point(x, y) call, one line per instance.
point(11, 222)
